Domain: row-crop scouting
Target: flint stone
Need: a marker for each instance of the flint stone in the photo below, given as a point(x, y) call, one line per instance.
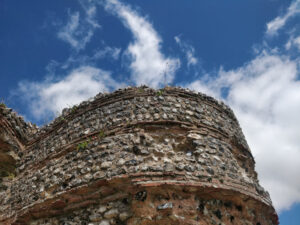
point(106, 165)
point(168, 205)
point(111, 213)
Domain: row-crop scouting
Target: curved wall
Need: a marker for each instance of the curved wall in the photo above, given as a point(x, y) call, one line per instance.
point(139, 156)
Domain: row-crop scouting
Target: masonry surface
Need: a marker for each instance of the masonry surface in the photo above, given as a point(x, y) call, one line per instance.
point(134, 156)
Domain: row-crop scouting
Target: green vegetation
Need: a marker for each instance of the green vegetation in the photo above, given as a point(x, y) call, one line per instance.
point(101, 134)
point(160, 92)
point(11, 176)
point(2, 104)
point(141, 90)
point(74, 109)
point(82, 145)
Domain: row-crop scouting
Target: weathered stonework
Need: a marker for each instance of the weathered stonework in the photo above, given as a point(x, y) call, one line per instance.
point(14, 133)
point(135, 156)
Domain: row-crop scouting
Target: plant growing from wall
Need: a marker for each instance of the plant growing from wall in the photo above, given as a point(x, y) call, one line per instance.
point(74, 109)
point(101, 134)
point(141, 90)
point(82, 145)
point(2, 104)
point(11, 176)
point(160, 92)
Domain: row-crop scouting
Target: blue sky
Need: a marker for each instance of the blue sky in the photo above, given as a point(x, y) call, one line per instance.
point(54, 54)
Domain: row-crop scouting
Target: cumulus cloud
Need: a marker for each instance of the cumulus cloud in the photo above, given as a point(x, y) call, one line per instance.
point(148, 64)
point(280, 21)
point(80, 28)
point(264, 93)
point(267, 102)
point(188, 50)
point(265, 96)
point(49, 97)
point(202, 86)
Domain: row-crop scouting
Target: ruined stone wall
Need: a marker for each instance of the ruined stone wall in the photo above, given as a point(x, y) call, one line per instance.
point(14, 133)
point(138, 156)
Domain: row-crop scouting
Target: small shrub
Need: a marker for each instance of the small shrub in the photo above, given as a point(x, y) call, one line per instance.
point(2, 104)
point(101, 134)
point(74, 109)
point(11, 176)
point(141, 90)
point(82, 145)
point(160, 92)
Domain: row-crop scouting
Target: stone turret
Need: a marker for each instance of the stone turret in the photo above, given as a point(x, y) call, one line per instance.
point(134, 156)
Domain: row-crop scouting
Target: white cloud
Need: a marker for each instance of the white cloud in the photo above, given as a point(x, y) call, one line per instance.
point(293, 42)
point(76, 60)
point(202, 86)
point(80, 29)
point(67, 33)
point(280, 21)
point(265, 96)
point(48, 98)
point(188, 50)
point(264, 93)
point(148, 64)
point(90, 9)
point(108, 51)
